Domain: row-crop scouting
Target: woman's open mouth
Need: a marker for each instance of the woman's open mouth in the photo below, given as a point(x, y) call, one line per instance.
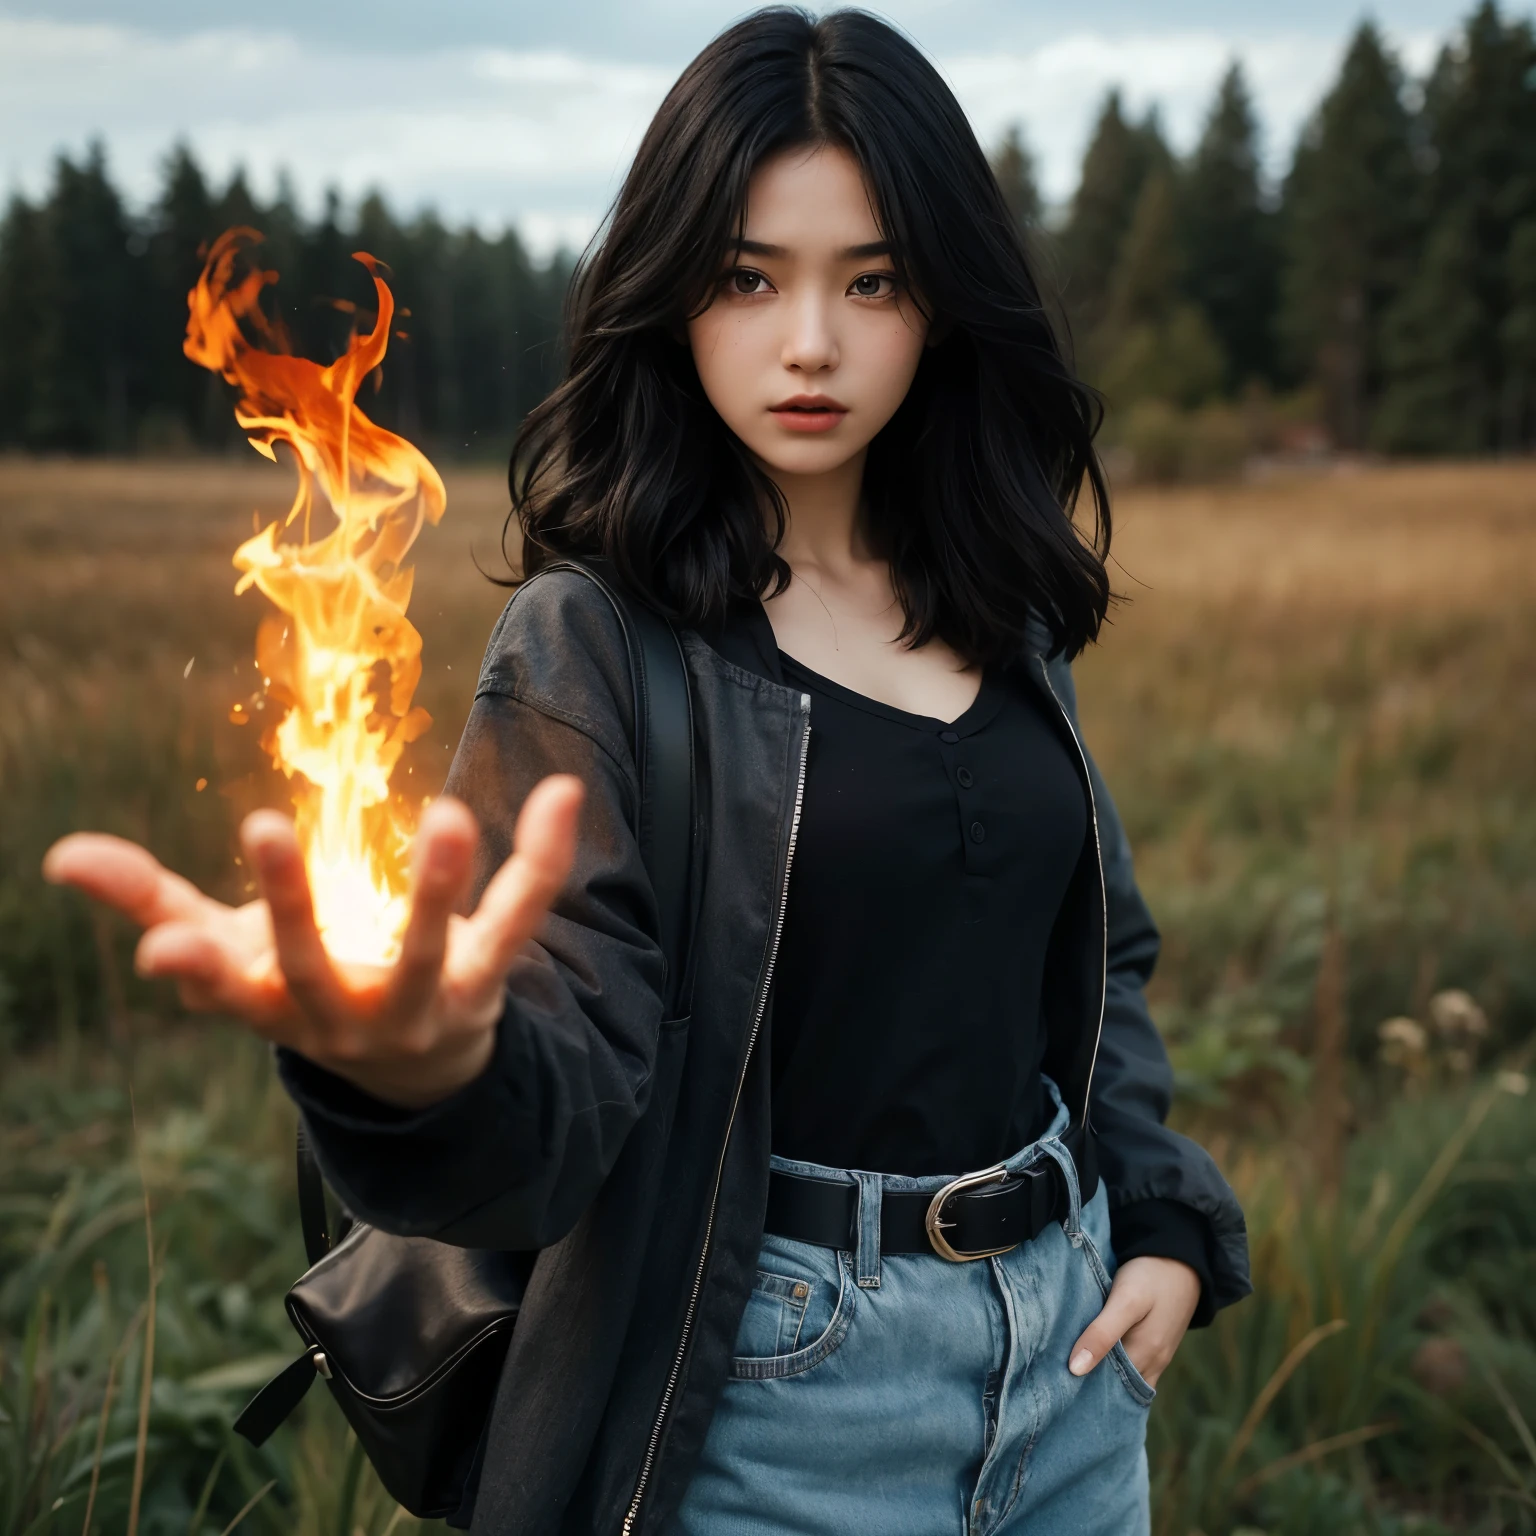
point(809, 413)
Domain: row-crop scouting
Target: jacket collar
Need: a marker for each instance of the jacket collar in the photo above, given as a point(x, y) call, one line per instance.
point(746, 640)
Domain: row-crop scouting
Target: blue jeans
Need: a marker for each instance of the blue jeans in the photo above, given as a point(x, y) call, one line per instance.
point(906, 1395)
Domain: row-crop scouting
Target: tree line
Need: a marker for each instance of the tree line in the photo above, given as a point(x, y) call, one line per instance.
point(93, 305)
point(1383, 292)
point(1387, 284)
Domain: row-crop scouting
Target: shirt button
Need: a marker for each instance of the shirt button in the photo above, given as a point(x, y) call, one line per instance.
point(964, 776)
point(978, 832)
point(948, 736)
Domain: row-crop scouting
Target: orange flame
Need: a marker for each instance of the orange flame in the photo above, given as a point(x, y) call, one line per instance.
point(339, 658)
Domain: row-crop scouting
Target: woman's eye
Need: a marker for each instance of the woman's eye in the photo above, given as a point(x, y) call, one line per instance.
point(745, 281)
point(873, 285)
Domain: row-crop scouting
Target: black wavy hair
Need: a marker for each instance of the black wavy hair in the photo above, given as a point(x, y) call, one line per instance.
point(969, 490)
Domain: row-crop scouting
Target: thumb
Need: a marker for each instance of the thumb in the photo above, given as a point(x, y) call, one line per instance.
point(1120, 1314)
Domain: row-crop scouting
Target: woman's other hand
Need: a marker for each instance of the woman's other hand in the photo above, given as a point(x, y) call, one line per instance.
point(411, 1033)
point(1148, 1309)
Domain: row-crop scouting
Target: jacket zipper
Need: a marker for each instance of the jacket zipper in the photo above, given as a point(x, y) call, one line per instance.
point(709, 1225)
point(1098, 849)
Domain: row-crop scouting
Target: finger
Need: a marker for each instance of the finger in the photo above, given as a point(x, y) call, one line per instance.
point(272, 852)
point(1121, 1311)
point(442, 862)
point(520, 892)
point(125, 876)
point(1148, 1349)
point(213, 978)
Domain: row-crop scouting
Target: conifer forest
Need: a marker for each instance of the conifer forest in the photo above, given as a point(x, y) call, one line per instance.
point(1313, 704)
point(1381, 294)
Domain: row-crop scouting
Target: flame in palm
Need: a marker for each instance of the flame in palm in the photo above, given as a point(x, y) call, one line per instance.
point(338, 658)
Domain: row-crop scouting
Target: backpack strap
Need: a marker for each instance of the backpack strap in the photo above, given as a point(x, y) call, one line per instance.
point(664, 761)
point(314, 1220)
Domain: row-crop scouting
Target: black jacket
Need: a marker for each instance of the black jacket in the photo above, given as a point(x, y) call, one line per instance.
point(633, 1150)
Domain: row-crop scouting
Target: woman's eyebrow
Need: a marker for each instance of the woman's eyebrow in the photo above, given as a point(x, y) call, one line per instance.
point(848, 253)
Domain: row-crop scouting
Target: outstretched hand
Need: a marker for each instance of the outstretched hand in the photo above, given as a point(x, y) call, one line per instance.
point(411, 1033)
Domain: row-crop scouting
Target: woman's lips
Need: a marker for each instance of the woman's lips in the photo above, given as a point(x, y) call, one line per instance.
point(809, 413)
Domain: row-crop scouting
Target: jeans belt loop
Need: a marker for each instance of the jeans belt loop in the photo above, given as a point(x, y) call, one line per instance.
point(866, 1257)
point(1072, 1223)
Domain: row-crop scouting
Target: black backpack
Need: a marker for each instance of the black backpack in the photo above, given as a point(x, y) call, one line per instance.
point(410, 1334)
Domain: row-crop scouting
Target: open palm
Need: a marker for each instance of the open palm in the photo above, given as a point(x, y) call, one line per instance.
point(409, 1033)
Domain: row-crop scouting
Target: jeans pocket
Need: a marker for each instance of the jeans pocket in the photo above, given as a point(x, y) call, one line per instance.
point(775, 1312)
point(799, 1311)
point(1140, 1389)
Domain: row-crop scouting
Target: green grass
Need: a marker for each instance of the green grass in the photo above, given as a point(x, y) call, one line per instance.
point(1365, 1381)
point(213, 1153)
point(1430, 1245)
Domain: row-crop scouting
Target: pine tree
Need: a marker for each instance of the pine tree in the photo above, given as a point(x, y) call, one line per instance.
point(1230, 266)
point(324, 286)
point(1150, 264)
point(1152, 342)
point(189, 403)
point(436, 322)
point(1433, 340)
point(1480, 114)
point(1351, 221)
point(1518, 334)
point(1014, 166)
point(282, 226)
point(1119, 158)
point(90, 346)
point(414, 267)
point(25, 294)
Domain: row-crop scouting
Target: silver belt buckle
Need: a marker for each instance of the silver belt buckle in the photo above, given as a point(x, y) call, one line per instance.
point(935, 1225)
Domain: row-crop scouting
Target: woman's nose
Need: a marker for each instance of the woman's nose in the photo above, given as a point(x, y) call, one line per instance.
point(810, 346)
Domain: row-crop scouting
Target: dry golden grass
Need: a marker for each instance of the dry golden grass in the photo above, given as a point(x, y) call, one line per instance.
point(112, 562)
point(125, 564)
point(1372, 541)
point(1379, 603)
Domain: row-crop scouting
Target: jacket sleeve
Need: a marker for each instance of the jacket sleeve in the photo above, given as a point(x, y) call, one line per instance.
point(511, 1160)
point(1156, 1178)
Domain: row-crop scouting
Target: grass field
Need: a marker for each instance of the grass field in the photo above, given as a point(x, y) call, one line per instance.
point(1316, 709)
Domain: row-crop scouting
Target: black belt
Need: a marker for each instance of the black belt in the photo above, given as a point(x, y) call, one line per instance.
point(972, 1217)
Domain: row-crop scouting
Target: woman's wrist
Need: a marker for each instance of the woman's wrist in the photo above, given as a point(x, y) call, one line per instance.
point(1166, 1229)
point(417, 1084)
point(377, 1094)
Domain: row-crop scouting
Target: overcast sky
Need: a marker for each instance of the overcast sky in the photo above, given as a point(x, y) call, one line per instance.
point(527, 111)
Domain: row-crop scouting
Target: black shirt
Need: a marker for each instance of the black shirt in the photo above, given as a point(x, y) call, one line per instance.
point(931, 861)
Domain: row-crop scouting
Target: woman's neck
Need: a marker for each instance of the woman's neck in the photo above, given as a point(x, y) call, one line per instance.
point(840, 616)
point(824, 526)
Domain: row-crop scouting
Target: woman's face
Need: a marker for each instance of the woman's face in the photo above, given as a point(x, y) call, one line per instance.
point(808, 345)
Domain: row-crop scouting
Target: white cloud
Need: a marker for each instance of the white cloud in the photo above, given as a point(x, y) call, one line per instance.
point(541, 138)
point(483, 134)
point(1056, 90)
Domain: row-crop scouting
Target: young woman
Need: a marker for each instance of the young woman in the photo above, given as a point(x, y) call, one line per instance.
point(817, 413)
